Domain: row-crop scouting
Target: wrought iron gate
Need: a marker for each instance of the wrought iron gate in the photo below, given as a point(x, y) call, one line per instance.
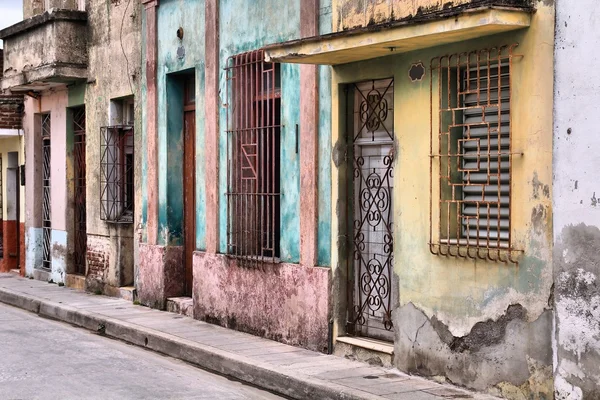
point(373, 292)
point(46, 208)
point(80, 198)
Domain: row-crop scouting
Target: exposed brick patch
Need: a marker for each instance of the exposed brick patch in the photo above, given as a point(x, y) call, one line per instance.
point(98, 258)
point(11, 111)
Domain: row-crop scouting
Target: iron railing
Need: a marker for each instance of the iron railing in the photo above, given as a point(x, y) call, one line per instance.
point(253, 159)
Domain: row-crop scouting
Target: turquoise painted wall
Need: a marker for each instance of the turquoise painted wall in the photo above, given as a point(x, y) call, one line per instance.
point(244, 26)
point(324, 174)
point(175, 56)
point(249, 25)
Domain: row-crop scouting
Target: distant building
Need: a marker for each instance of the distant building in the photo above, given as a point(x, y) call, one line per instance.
point(79, 70)
point(12, 190)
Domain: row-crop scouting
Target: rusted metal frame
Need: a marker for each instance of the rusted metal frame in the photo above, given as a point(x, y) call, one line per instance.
point(46, 188)
point(380, 271)
point(251, 124)
point(437, 64)
point(391, 135)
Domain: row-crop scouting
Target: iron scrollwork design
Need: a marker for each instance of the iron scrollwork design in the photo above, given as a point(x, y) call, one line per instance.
point(373, 232)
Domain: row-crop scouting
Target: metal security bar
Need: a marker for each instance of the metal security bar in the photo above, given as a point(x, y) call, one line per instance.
point(253, 159)
point(373, 238)
point(116, 173)
point(80, 191)
point(46, 206)
point(473, 154)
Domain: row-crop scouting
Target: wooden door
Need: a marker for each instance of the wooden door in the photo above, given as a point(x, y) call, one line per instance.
point(189, 183)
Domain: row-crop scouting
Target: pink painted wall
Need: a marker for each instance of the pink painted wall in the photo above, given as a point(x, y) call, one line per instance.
point(55, 102)
point(284, 302)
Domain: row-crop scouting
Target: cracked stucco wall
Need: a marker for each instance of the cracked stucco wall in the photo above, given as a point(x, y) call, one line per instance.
point(114, 51)
point(348, 14)
point(576, 206)
point(482, 325)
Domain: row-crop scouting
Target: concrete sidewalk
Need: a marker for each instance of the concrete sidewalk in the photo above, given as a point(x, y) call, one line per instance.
point(283, 369)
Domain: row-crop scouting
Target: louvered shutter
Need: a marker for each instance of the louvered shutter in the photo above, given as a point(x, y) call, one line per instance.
point(485, 160)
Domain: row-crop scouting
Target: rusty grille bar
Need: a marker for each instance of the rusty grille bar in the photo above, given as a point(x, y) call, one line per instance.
point(46, 207)
point(473, 152)
point(253, 159)
point(80, 190)
point(116, 173)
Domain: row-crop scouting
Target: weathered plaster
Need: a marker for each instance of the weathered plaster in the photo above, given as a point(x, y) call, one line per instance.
point(176, 56)
point(114, 68)
point(33, 242)
point(348, 14)
point(162, 274)
point(284, 302)
point(576, 216)
point(460, 294)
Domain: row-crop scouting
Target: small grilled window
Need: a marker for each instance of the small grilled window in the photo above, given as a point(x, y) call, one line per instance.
point(117, 173)
point(474, 155)
point(253, 158)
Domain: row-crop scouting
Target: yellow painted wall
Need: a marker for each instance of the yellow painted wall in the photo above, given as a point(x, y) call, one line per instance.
point(10, 144)
point(462, 292)
point(349, 14)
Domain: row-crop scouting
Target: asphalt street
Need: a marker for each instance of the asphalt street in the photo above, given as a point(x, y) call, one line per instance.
point(44, 359)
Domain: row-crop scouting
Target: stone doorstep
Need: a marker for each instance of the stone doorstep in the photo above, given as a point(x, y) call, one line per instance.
point(371, 351)
point(181, 305)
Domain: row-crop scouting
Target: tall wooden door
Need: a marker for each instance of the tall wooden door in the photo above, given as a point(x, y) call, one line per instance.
point(189, 182)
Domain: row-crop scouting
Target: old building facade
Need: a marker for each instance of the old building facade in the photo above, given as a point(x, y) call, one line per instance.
point(404, 183)
point(236, 182)
point(443, 204)
point(78, 65)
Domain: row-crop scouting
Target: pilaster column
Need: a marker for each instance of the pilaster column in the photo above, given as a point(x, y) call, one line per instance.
point(150, 7)
point(211, 123)
point(309, 133)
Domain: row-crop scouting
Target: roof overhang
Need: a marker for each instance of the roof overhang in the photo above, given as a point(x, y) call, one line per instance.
point(401, 37)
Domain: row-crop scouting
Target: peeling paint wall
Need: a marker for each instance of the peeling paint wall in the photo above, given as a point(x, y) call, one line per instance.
point(461, 319)
point(55, 102)
point(114, 53)
point(576, 207)
point(348, 14)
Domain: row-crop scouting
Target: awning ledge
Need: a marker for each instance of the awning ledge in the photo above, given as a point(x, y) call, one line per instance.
point(377, 41)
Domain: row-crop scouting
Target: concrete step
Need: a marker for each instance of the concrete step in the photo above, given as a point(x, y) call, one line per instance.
point(128, 293)
point(181, 305)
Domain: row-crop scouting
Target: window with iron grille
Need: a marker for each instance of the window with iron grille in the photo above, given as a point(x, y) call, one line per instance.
point(473, 153)
point(253, 158)
point(116, 173)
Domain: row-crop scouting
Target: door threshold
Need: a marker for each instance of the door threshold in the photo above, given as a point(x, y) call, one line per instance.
point(368, 343)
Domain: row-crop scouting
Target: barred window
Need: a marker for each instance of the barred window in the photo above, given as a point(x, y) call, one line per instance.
point(253, 158)
point(116, 173)
point(473, 154)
